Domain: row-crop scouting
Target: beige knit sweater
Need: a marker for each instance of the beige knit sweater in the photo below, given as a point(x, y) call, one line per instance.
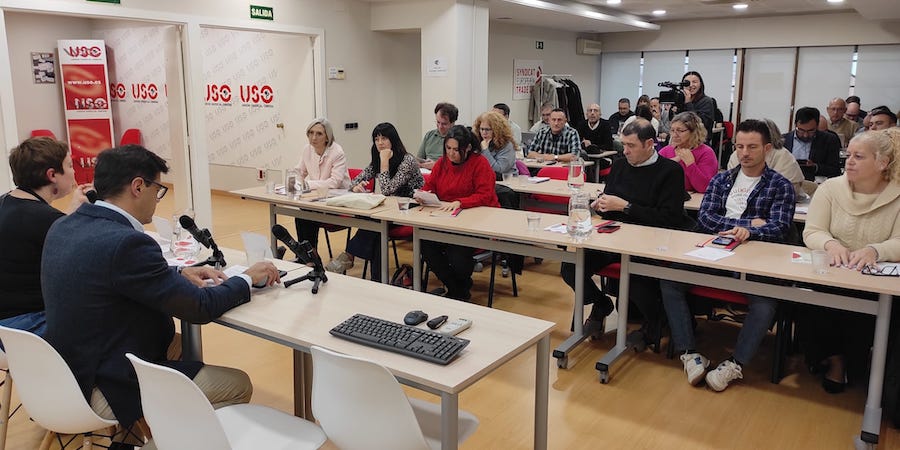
point(855, 220)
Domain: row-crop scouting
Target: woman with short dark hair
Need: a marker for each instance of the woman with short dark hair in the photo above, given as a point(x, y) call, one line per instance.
point(43, 172)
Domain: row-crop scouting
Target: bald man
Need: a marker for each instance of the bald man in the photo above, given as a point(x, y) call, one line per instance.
point(594, 131)
point(844, 128)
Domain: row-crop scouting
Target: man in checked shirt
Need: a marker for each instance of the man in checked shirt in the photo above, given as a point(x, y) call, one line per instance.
point(558, 142)
point(750, 201)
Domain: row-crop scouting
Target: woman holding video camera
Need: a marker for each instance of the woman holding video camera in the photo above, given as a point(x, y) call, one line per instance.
point(696, 100)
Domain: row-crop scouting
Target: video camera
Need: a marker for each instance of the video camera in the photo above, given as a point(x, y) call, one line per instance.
point(675, 94)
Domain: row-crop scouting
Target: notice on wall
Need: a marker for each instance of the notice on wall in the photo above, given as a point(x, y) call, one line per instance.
point(525, 73)
point(437, 66)
point(85, 86)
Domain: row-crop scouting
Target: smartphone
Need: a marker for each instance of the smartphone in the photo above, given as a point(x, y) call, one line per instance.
point(723, 240)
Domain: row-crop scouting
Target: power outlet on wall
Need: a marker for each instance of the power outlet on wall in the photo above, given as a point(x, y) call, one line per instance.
point(351, 125)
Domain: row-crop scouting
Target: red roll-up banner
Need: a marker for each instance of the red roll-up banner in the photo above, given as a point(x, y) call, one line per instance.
point(85, 85)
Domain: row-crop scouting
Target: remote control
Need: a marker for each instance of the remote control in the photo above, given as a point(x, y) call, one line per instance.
point(436, 322)
point(455, 327)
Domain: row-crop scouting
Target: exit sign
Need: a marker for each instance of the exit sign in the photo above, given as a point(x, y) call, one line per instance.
point(262, 12)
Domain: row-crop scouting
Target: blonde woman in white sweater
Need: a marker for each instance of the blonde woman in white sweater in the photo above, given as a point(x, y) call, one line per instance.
point(855, 218)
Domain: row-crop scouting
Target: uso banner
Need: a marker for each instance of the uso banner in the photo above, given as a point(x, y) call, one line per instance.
point(85, 85)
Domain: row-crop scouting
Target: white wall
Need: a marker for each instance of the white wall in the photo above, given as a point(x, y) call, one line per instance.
point(509, 42)
point(786, 31)
point(39, 106)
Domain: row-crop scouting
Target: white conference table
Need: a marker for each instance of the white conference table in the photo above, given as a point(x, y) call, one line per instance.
point(502, 230)
point(560, 188)
point(296, 318)
point(310, 208)
point(754, 259)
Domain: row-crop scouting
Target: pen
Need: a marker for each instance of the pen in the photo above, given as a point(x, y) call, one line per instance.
point(456, 212)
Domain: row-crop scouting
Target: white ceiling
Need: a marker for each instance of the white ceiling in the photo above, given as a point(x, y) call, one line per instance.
point(596, 16)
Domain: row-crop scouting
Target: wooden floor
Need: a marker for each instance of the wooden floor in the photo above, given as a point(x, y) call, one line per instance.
point(647, 405)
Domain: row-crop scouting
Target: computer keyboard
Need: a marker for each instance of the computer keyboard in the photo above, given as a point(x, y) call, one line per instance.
point(399, 338)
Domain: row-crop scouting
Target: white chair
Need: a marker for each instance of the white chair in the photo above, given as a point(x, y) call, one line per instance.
point(360, 405)
point(181, 417)
point(5, 398)
point(48, 389)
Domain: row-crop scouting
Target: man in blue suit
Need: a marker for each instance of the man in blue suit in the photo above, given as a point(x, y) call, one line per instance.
point(109, 291)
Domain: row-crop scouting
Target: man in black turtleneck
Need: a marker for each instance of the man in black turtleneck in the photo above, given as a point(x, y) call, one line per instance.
point(645, 189)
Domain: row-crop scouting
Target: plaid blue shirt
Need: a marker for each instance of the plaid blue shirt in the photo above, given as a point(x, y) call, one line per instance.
point(567, 141)
point(771, 200)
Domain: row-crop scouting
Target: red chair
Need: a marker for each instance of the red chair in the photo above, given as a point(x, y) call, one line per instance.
point(370, 185)
point(556, 173)
point(38, 133)
point(132, 136)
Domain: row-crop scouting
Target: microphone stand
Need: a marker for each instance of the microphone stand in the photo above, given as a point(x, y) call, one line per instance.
point(317, 275)
point(217, 260)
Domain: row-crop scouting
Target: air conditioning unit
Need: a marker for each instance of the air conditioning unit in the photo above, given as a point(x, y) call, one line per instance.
point(584, 46)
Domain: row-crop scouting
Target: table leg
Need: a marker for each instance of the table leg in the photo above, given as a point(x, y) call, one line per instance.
point(449, 421)
point(303, 385)
point(417, 261)
point(871, 425)
point(384, 252)
point(273, 219)
point(541, 391)
point(562, 351)
point(191, 342)
point(622, 328)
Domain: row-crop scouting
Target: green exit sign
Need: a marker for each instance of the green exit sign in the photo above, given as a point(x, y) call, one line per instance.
point(262, 12)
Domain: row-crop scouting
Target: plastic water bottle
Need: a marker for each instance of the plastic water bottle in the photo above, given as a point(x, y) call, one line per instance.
point(579, 222)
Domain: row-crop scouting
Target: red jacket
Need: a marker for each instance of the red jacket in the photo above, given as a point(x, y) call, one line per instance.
point(471, 183)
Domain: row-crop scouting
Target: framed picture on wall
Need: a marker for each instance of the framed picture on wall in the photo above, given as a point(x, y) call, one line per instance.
point(43, 65)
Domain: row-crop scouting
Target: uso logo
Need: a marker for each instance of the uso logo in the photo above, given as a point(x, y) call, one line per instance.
point(83, 51)
point(117, 91)
point(144, 91)
point(218, 93)
point(257, 94)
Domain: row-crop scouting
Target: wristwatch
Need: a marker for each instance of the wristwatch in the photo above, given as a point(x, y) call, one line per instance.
point(627, 208)
point(556, 157)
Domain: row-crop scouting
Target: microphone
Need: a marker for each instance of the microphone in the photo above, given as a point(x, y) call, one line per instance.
point(282, 234)
point(202, 236)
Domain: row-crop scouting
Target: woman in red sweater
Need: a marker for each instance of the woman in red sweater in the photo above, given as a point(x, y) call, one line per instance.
point(462, 178)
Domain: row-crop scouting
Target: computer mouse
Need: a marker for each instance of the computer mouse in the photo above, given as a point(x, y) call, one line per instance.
point(415, 317)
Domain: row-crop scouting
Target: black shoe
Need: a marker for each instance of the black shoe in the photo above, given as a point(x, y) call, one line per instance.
point(834, 387)
point(120, 446)
point(637, 340)
point(440, 292)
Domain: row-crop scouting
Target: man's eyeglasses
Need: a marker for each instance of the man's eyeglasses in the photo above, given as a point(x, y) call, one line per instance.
point(803, 132)
point(162, 188)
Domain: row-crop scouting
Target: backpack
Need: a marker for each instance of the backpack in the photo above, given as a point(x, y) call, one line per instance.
point(403, 277)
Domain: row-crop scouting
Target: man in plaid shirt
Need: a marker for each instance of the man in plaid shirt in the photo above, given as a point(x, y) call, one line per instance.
point(558, 142)
point(750, 201)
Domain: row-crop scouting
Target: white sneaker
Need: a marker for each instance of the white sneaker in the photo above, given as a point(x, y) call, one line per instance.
point(340, 264)
point(695, 366)
point(726, 372)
